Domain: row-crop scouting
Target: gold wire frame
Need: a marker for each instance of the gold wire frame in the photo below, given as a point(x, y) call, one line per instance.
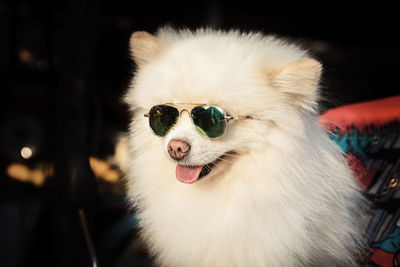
point(189, 106)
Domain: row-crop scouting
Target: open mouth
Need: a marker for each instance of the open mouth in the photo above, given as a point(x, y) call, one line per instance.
point(190, 174)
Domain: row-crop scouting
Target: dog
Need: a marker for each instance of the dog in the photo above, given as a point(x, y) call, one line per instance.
point(228, 165)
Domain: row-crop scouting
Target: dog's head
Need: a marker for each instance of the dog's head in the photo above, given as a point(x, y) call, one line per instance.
point(265, 82)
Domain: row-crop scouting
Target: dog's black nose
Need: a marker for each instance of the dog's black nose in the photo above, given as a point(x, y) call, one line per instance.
point(178, 149)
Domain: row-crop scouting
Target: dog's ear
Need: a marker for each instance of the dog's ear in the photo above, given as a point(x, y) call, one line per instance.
point(299, 79)
point(144, 47)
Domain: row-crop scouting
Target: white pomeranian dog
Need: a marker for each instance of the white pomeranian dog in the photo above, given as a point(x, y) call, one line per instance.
point(228, 166)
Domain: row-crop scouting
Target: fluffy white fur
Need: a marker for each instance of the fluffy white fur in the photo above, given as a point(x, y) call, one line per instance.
point(283, 195)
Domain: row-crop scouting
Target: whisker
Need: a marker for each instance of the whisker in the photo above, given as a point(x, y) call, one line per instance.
point(208, 168)
point(224, 160)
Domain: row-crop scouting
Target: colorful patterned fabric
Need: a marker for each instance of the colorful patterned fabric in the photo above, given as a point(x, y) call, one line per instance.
point(369, 135)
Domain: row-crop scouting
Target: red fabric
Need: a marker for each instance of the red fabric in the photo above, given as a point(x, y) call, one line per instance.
point(377, 112)
point(364, 177)
point(383, 258)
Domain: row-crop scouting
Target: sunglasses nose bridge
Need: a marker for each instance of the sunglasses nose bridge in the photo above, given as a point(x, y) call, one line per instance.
point(183, 110)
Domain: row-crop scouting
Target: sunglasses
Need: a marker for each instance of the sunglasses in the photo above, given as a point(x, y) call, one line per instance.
point(209, 121)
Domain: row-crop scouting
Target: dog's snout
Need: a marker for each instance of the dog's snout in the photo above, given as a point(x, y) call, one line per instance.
point(178, 149)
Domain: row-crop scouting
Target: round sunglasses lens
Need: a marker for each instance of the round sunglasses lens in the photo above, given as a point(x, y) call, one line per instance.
point(162, 118)
point(209, 121)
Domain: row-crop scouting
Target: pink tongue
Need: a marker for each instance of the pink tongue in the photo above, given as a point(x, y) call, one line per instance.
point(188, 175)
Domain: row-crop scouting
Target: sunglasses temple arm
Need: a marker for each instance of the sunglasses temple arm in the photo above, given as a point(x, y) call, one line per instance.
point(146, 115)
point(228, 118)
point(237, 118)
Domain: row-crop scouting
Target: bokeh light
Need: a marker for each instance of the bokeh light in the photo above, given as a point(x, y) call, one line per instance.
point(26, 152)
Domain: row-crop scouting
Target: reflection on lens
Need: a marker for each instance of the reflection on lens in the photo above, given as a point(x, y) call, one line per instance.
point(209, 121)
point(162, 118)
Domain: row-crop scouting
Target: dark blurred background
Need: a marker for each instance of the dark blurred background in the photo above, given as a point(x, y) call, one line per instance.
point(64, 66)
